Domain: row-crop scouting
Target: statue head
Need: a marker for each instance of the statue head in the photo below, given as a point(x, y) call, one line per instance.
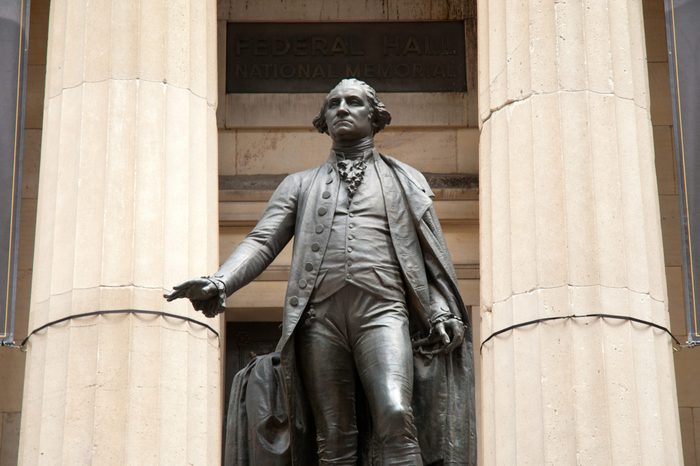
point(378, 115)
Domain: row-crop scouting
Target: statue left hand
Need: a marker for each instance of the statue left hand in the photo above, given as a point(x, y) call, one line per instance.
point(444, 338)
point(451, 333)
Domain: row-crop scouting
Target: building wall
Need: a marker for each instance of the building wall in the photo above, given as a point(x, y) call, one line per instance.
point(268, 135)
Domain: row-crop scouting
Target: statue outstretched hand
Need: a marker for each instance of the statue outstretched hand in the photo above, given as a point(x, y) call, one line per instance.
point(203, 293)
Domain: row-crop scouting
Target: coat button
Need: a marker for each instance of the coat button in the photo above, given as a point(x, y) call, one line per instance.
point(293, 301)
point(315, 247)
point(349, 248)
point(309, 266)
point(326, 195)
point(302, 283)
point(319, 229)
point(322, 211)
point(329, 180)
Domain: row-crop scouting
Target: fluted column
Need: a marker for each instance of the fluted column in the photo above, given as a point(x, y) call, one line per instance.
point(569, 226)
point(127, 208)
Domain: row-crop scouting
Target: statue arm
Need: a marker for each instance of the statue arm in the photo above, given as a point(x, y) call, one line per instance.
point(260, 247)
point(446, 324)
point(273, 231)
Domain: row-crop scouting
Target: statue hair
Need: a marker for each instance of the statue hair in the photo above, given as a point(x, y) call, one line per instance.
point(379, 114)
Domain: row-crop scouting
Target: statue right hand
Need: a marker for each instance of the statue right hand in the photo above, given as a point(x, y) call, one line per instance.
point(197, 289)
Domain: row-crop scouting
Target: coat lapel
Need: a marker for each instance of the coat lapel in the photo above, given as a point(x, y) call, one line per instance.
point(418, 196)
point(403, 234)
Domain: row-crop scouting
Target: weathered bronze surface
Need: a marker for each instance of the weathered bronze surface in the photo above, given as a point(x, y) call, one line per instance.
point(311, 57)
point(374, 365)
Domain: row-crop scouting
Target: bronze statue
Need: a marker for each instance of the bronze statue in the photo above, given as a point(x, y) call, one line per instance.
point(373, 336)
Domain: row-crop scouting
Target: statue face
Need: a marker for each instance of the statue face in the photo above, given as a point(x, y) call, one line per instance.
point(348, 113)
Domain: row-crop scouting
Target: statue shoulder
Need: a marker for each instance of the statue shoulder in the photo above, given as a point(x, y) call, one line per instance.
point(302, 178)
point(409, 173)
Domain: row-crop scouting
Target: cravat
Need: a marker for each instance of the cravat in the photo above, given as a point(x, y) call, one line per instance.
point(352, 172)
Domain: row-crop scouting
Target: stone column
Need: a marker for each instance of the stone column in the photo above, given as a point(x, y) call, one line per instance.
point(570, 225)
point(127, 208)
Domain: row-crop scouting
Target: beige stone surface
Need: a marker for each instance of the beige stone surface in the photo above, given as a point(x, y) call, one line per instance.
point(569, 222)
point(427, 151)
point(127, 208)
point(230, 237)
point(411, 10)
point(462, 242)
point(298, 110)
point(250, 152)
point(279, 152)
point(299, 10)
point(469, 290)
point(227, 153)
point(264, 294)
point(468, 150)
point(160, 42)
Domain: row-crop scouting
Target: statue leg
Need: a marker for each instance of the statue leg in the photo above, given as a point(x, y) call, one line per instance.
point(384, 360)
point(328, 373)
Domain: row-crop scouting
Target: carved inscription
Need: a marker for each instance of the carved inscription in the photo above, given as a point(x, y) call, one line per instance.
point(311, 57)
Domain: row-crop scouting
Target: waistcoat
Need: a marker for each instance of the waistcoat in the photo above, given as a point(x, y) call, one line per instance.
point(360, 251)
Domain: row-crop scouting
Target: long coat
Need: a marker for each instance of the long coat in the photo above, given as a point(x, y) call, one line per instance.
point(443, 399)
